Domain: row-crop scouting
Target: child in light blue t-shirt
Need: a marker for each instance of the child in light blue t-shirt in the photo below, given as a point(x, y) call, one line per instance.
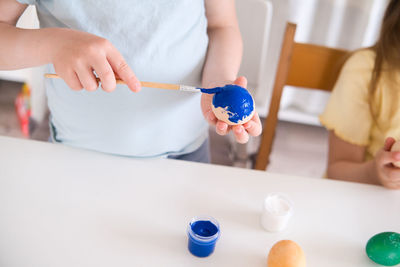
point(170, 41)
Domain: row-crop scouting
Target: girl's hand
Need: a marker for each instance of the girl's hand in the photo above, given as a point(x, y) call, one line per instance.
point(241, 132)
point(75, 55)
point(387, 173)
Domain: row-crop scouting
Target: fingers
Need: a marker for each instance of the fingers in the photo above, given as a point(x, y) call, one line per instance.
point(210, 117)
point(240, 133)
point(385, 157)
point(253, 127)
point(389, 143)
point(72, 80)
point(241, 81)
point(122, 69)
point(221, 128)
point(87, 79)
point(392, 185)
point(105, 73)
point(77, 54)
point(391, 177)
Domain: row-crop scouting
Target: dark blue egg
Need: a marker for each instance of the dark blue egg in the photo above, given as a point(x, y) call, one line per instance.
point(233, 104)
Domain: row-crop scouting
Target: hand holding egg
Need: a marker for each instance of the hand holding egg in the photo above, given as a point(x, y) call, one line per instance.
point(385, 162)
point(232, 108)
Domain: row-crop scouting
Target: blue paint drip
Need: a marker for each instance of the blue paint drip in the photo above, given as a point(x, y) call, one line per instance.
point(236, 99)
point(203, 235)
point(211, 90)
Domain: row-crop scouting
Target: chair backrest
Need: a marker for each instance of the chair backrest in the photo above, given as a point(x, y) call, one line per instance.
point(300, 65)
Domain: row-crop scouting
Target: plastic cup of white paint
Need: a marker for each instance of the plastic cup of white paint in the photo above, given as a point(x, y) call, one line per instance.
point(277, 210)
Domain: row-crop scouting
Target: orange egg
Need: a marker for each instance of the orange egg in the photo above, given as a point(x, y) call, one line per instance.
point(286, 253)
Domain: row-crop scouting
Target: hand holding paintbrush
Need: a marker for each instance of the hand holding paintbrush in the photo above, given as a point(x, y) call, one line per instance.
point(167, 86)
point(79, 56)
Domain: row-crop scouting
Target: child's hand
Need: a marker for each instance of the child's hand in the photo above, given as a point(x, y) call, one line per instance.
point(241, 132)
point(388, 175)
point(75, 55)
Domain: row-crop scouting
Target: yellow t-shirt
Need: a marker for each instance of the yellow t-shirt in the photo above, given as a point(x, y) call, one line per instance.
point(349, 110)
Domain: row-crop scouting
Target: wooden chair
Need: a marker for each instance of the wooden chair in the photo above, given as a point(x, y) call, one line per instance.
point(301, 65)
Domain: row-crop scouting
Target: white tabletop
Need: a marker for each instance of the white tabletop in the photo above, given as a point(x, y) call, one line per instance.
point(61, 206)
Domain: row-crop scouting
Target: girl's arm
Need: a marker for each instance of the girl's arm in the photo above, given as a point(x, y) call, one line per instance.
point(346, 162)
point(19, 48)
point(222, 64)
point(74, 54)
point(225, 43)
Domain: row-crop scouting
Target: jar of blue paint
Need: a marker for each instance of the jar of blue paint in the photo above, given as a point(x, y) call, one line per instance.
point(203, 233)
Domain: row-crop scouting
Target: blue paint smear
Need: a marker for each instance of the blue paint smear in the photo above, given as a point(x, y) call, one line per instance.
point(235, 98)
point(211, 90)
point(206, 230)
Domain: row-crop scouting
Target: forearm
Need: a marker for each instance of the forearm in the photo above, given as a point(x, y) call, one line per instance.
point(363, 172)
point(23, 48)
point(223, 57)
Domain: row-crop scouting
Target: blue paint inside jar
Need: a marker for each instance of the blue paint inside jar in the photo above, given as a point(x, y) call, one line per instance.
point(203, 234)
point(237, 101)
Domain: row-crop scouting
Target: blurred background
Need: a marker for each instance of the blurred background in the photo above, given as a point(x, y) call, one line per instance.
point(300, 146)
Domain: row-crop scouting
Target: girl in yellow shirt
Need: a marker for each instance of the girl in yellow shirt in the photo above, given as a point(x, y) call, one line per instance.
point(363, 113)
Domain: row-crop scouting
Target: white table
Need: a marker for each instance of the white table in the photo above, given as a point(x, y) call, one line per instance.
point(61, 206)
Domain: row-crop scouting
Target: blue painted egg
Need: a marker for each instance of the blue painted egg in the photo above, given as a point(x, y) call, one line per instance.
point(233, 104)
point(384, 248)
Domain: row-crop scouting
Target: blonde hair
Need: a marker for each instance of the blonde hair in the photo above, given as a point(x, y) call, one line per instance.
point(387, 48)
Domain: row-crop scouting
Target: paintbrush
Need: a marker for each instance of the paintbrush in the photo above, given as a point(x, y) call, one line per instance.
point(167, 86)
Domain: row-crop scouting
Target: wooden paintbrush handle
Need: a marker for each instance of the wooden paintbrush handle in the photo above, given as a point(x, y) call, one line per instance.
point(144, 84)
point(161, 85)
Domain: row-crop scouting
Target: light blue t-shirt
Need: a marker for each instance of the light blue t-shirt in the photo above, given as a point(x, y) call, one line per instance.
point(162, 41)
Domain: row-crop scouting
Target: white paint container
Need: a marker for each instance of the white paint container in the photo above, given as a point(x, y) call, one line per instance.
point(277, 210)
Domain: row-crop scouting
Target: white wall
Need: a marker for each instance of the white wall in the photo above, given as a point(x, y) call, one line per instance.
point(348, 24)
